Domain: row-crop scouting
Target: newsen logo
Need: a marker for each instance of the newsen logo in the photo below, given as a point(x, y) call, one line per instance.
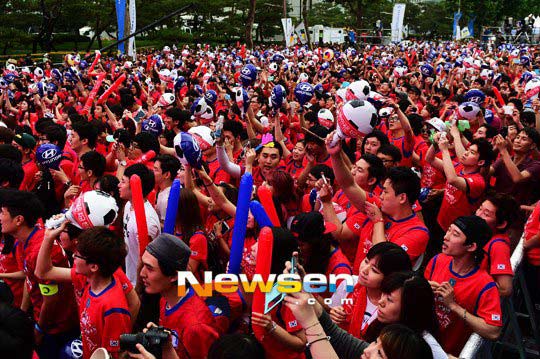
point(285, 283)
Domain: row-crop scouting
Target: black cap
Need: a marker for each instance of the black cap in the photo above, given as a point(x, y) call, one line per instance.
point(311, 225)
point(170, 251)
point(475, 229)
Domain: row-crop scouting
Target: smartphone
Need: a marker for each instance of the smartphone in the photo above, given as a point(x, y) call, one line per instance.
point(294, 264)
point(516, 61)
point(507, 110)
point(227, 97)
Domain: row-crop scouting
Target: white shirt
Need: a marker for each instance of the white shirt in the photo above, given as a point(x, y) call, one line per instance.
point(130, 236)
point(436, 349)
point(161, 203)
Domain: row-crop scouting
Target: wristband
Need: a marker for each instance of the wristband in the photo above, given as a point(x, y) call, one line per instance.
point(317, 340)
point(378, 220)
point(464, 314)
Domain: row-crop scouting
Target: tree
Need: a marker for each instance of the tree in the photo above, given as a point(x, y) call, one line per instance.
point(249, 23)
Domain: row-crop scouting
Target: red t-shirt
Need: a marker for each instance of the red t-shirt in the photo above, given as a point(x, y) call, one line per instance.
point(409, 233)
point(61, 314)
point(457, 203)
point(327, 161)
point(217, 173)
point(30, 169)
point(104, 316)
point(192, 322)
point(476, 292)
point(293, 168)
point(532, 227)
point(8, 264)
point(275, 348)
point(338, 264)
point(406, 151)
point(497, 258)
point(198, 244)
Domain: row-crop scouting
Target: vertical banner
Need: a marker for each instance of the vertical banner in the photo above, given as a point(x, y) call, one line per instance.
point(471, 25)
point(120, 19)
point(398, 16)
point(301, 32)
point(132, 28)
point(352, 37)
point(457, 32)
point(288, 31)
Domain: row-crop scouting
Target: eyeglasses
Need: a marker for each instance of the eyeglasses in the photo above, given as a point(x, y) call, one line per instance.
point(387, 161)
point(82, 168)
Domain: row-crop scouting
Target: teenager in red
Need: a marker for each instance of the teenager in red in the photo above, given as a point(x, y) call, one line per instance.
point(316, 252)
point(395, 221)
point(499, 211)
point(53, 304)
point(467, 299)
point(464, 182)
point(103, 308)
point(187, 317)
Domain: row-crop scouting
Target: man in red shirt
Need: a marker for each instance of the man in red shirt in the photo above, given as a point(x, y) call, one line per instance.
point(395, 221)
point(499, 211)
point(103, 308)
point(464, 183)
point(54, 307)
point(466, 298)
point(26, 143)
point(401, 134)
point(188, 317)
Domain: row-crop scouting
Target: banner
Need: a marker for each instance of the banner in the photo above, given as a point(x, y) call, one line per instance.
point(352, 37)
point(465, 33)
point(397, 22)
point(288, 31)
point(132, 28)
point(120, 20)
point(457, 16)
point(471, 25)
point(301, 32)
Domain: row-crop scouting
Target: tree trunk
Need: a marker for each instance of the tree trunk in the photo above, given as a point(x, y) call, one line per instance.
point(359, 14)
point(249, 24)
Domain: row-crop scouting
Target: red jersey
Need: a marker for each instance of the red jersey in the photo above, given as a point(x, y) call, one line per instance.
point(30, 169)
point(62, 314)
point(198, 244)
point(475, 291)
point(409, 233)
point(8, 264)
point(293, 168)
point(104, 316)
point(338, 264)
point(406, 152)
point(217, 173)
point(275, 348)
point(192, 322)
point(458, 203)
point(532, 227)
point(497, 258)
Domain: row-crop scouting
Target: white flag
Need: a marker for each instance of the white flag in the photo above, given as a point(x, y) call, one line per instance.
point(397, 22)
point(301, 32)
point(288, 31)
point(132, 28)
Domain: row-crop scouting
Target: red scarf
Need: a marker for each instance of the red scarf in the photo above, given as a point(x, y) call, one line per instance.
point(357, 310)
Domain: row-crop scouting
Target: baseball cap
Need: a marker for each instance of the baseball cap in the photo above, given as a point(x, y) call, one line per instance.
point(437, 124)
point(475, 229)
point(311, 225)
point(170, 251)
point(25, 140)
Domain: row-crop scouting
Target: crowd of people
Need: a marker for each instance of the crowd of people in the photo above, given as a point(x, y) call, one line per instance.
point(424, 209)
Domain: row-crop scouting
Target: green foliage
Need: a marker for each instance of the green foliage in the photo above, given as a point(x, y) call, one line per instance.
point(328, 14)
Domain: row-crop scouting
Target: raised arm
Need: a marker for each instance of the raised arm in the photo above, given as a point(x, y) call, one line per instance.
point(44, 266)
point(344, 178)
point(448, 167)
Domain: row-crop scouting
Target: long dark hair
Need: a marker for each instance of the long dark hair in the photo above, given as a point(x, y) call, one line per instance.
point(417, 301)
point(189, 219)
point(400, 342)
point(319, 255)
